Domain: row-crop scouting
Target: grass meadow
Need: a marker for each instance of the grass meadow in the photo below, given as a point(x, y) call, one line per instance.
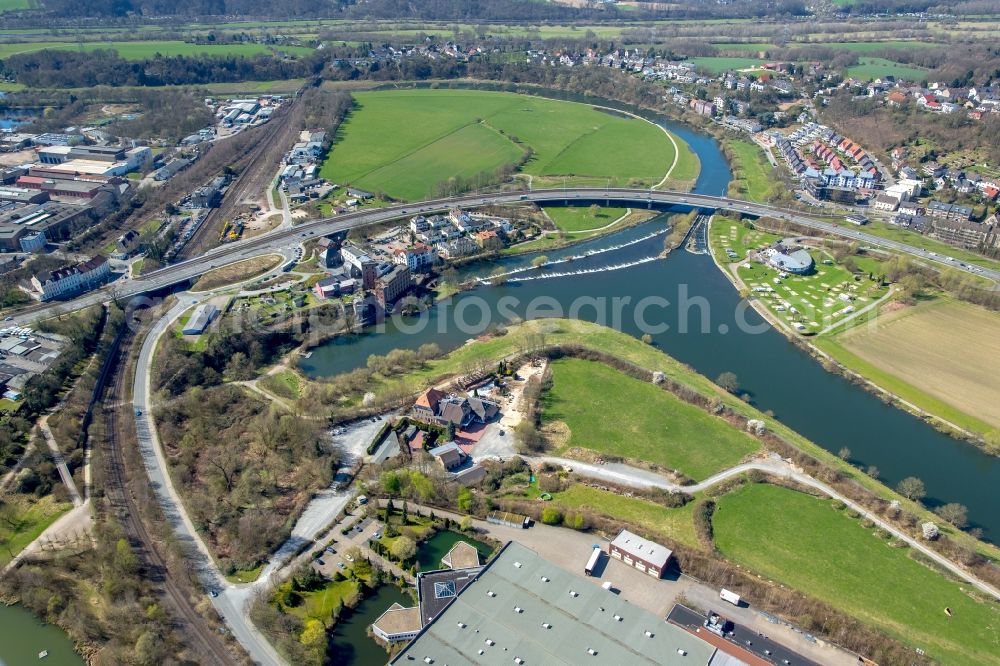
point(142, 50)
point(577, 218)
point(808, 544)
point(874, 68)
point(608, 412)
point(404, 142)
point(752, 173)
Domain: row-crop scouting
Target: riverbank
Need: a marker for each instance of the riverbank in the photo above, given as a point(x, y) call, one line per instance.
point(838, 364)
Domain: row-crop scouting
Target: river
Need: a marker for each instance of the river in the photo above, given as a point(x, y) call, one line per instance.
point(710, 330)
point(23, 637)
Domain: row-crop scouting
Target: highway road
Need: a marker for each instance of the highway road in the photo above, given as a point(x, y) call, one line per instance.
point(284, 239)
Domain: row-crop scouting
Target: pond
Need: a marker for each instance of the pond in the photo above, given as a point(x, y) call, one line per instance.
point(23, 636)
point(431, 551)
point(350, 644)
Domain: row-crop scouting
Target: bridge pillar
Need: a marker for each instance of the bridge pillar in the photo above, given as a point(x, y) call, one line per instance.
point(565, 202)
point(649, 204)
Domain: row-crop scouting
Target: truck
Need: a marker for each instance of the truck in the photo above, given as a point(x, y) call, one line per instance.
point(731, 597)
point(595, 557)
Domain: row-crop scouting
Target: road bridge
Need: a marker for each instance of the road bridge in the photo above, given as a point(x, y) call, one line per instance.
point(284, 238)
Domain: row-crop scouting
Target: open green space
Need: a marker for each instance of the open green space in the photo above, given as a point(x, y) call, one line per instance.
point(406, 142)
point(28, 517)
point(720, 64)
point(537, 333)
point(242, 576)
point(808, 544)
point(874, 68)
point(808, 303)
point(636, 512)
point(284, 384)
point(752, 172)
point(868, 47)
point(15, 5)
point(141, 50)
point(577, 218)
point(611, 413)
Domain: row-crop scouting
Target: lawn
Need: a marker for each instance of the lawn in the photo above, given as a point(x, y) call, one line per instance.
point(319, 604)
point(809, 545)
point(874, 68)
point(15, 5)
point(141, 50)
point(639, 514)
point(238, 272)
point(945, 349)
point(576, 218)
point(752, 178)
point(31, 517)
point(464, 132)
point(242, 576)
point(284, 384)
point(608, 412)
point(809, 303)
point(719, 64)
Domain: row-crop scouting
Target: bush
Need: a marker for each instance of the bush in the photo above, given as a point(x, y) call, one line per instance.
point(551, 516)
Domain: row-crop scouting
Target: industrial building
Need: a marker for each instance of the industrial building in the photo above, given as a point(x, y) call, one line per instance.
point(200, 319)
point(645, 555)
point(522, 609)
point(55, 220)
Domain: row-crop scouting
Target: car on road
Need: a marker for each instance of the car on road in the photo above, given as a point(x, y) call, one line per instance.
point(213, 593)
point(8, 319)
point(138, 412)
point(340, 565)
point(377, 535)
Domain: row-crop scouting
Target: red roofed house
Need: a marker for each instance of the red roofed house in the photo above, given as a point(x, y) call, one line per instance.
point(428, 401)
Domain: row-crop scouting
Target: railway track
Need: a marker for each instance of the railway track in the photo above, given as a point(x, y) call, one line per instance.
point(256, 171)
point(203, 642)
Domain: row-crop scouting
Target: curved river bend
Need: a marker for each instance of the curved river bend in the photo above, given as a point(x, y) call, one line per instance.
point(706, 319)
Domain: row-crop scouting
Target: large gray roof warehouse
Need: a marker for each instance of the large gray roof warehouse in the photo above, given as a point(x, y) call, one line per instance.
point(524, 610)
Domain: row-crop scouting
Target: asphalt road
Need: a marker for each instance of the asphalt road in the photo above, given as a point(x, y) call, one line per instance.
point(284, 238)
point(738, 635)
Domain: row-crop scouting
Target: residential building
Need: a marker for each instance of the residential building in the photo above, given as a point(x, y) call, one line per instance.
point(126, 245)
point(489, 240)
point(885, 202)
point(946, 211)
point(71, 279)
point(645, 555)
point(455, 249)
point(418, 258)
point(963, 233)
point(449, 455)
point(435, 406)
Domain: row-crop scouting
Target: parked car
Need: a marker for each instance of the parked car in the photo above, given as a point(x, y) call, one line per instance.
point(348, 557)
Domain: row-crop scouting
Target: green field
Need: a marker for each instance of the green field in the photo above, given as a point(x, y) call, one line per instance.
point(149, 49)
point(808, 303)
point(404, 142)
point(718, 64)
point(635, 512)
point(31, 518)
point(573, 219)
point(752, 172)
point(15, 5)
point(608, 412)
point(806, 543)
point(874, 68)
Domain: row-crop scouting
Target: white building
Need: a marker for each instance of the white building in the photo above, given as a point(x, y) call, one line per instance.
point(71, 279)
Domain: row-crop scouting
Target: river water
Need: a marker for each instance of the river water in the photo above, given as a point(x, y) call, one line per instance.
point(23, 637)
point(712, 330)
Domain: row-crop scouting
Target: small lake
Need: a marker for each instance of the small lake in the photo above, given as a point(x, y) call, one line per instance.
point(350, 645)
point(22, 637)
point(430, 552)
